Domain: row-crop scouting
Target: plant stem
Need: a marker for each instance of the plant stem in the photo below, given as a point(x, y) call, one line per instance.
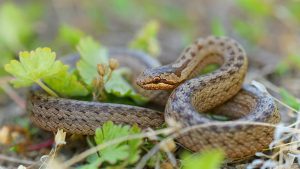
point(13, 95)
point(47, 89)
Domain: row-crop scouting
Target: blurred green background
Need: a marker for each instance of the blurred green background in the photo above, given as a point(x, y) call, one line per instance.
point(269, 30)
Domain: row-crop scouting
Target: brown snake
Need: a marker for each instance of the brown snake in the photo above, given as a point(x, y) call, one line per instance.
point(219, 92)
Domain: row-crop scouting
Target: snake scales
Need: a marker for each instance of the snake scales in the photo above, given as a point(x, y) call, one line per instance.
point(220, 92)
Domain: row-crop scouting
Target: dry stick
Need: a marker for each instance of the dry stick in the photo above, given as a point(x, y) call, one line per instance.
point(171, 158)
point(13, 95)
point(295, 138)
point(50, 157)
point(93, 150)
point(14, 160)
point(285, 105)
point(276, 89)
point(154, 150)
point(5, 79)
point(166, 131)
point(10, 92)
point(286, 144)
point(272, 86)
point(157, 163)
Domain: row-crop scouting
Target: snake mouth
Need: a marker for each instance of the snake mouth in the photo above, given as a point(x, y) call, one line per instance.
point(156, 84)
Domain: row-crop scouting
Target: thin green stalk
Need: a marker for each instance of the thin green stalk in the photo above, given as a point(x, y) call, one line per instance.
point(46, 88)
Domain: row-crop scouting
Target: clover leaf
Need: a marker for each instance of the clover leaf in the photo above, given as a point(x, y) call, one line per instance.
point(67, 84)
point(40, 66)
point(128, 150)
point(91, 54)
point(33, 67)
point(118, 86)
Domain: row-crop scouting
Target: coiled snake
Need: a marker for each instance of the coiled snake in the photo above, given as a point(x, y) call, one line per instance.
point(219, 92)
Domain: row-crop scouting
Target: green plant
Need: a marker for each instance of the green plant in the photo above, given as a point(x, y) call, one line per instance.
point(40, 67)
point(15, 27)
point(289, 99)
point(256, 7)
point(15, 32)
point(287, 64)
point(122, 154)
point(146, 39)
point(70, 35)
point(208, 160)
point(217, 28)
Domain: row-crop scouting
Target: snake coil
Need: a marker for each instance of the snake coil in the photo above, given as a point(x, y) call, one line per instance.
point(220, 92)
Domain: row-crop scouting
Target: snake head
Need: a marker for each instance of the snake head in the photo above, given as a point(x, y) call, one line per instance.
point(160, 78)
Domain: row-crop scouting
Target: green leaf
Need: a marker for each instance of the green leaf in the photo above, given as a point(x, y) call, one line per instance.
point(34, 66)
point(146, 39)
point(256, 7)
point(115, 154)
point(15, 27)
point(282, 68)
point(294, 8)
point(92, 165)
point(291, 62)
point(128, 150)
point(91, 54)
point(153, 160)
point(70, 35)
point(6, 56)
point(251, 33)
point(169, 14)
point(134, 151)
point(289, 99)
point(66, 84)
point(124, 9)
point(209, 68)
point(208, 160)
point(294, 60)
point(119, 87)
point(217, 28)
point(40, 65)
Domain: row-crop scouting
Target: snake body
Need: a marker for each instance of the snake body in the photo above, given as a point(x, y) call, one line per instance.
point(219, 92)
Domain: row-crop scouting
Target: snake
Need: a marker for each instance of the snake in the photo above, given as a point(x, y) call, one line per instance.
point(189, 96)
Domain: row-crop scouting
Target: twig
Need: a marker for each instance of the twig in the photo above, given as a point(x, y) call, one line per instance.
point(146, 157)
point(14, 160)
point(5, 79)
point(13, 95)
point(165, 131)
point(276, 89)
point(272, 86)
point(144, 160)
point(93, 150)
